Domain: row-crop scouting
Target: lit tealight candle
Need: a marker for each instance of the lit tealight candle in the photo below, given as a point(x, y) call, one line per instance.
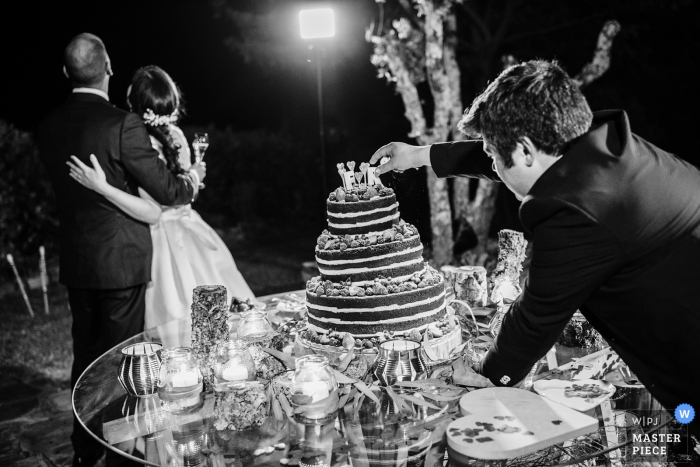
point(185, 379)
point(317, 390)
point(235, 373)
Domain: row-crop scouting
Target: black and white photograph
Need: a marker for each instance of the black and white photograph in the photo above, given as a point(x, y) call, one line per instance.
point(349, 233)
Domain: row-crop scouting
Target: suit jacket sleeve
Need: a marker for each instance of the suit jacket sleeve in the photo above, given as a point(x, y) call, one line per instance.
point(142, 163)
point(572, 257)
point(462, 159)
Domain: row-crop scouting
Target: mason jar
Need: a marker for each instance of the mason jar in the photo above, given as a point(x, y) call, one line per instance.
point(233, 365)
point(313, 381)
point(180, 380)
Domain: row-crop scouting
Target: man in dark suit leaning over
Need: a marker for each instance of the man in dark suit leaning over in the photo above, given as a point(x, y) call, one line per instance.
point(615, 225)
point(105, 253)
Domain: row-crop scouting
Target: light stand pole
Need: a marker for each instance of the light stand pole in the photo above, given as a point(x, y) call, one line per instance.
point(321, 131)
point(319, 24)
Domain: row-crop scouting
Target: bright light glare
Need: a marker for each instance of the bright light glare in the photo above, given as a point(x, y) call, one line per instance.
point(316, 24)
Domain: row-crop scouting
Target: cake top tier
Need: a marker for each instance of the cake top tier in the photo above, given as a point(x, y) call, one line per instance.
point(362, 210)
point(359, 193)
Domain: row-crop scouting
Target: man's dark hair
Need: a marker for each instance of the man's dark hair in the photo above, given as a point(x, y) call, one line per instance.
point(535, 99)
point(85, 59)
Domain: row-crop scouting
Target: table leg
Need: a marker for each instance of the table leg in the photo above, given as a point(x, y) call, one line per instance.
point(610, 433)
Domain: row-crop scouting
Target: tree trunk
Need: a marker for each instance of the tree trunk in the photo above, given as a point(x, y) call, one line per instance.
point(443, 98)
point(471, 213)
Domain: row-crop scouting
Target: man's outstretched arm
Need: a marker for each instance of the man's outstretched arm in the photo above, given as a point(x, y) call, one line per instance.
point(572, 257)
point(456, 159)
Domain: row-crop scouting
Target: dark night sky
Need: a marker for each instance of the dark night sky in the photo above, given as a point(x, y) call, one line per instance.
point(187, 40)
point(652, 74)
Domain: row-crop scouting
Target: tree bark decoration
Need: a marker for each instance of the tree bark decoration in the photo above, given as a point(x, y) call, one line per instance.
point(420, 47)
point(209, 327)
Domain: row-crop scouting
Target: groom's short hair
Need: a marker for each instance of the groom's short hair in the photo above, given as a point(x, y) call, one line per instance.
point(536, 99)
point(85, 59)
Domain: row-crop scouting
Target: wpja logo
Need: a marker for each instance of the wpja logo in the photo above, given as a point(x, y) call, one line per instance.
point(685, 413)
point(655, 443)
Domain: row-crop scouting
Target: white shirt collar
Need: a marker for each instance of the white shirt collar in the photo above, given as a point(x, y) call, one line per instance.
point(99, 92)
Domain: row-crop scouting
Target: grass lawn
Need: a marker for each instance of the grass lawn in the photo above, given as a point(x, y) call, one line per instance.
point(41, 345)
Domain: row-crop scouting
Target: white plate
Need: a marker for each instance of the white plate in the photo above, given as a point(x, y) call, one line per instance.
point(554, 390)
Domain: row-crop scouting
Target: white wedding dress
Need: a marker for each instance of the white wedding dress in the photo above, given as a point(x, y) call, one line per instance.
point(187, 252)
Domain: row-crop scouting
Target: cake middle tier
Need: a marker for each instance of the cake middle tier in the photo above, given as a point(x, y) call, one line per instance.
point(362, 217)
point(396, 259)
point(371, 315)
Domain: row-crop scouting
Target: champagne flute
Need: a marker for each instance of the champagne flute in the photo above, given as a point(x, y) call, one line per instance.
point(200, 144)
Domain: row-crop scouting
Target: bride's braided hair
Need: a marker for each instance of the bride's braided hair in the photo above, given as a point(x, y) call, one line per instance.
point(156, 98)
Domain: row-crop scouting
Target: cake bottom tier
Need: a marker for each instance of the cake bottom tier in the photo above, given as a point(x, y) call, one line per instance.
point(373, 315)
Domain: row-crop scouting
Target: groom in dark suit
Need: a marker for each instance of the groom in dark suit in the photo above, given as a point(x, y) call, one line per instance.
point(615, 224)
point(106, 255)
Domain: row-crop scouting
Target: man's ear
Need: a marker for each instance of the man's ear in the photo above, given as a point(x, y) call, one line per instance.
point(65, 72)
point(529, 149)
point(108, 67)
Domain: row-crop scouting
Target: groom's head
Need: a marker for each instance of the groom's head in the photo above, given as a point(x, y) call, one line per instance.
point(86, 62)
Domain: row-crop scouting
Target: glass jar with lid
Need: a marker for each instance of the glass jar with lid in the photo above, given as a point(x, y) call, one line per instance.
point(254, 325)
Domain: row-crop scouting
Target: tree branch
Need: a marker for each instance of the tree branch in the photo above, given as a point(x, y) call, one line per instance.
point(601, 57)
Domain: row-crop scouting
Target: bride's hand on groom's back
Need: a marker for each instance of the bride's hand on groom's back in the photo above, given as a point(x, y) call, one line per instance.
point(93, 178)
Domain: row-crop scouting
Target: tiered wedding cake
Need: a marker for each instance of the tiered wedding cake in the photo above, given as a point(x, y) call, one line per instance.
point(373, 278)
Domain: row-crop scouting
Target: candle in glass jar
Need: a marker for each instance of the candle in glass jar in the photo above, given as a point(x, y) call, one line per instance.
point(185, 379)
point(317, 390)
point(235, 373)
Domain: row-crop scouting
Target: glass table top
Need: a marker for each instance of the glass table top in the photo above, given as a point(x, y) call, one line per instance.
point(370, 434)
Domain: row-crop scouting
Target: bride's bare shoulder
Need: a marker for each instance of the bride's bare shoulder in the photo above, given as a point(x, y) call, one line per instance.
point(178, 135)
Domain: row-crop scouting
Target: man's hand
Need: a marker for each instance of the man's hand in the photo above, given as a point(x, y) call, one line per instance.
point(402, 156)
point(201, 169)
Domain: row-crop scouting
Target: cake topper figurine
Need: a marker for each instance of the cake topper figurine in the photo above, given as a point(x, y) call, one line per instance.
point(341, 171)
point(348, 177)
point(358, 177)
point(363, 168)
point(373, 176)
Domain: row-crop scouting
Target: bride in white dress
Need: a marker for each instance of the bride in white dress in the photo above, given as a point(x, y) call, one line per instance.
point(187, 252)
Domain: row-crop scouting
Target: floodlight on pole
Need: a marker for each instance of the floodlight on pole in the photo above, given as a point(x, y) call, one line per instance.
point(317, 25)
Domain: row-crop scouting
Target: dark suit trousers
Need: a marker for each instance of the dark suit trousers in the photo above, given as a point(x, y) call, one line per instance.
point(101, 320)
